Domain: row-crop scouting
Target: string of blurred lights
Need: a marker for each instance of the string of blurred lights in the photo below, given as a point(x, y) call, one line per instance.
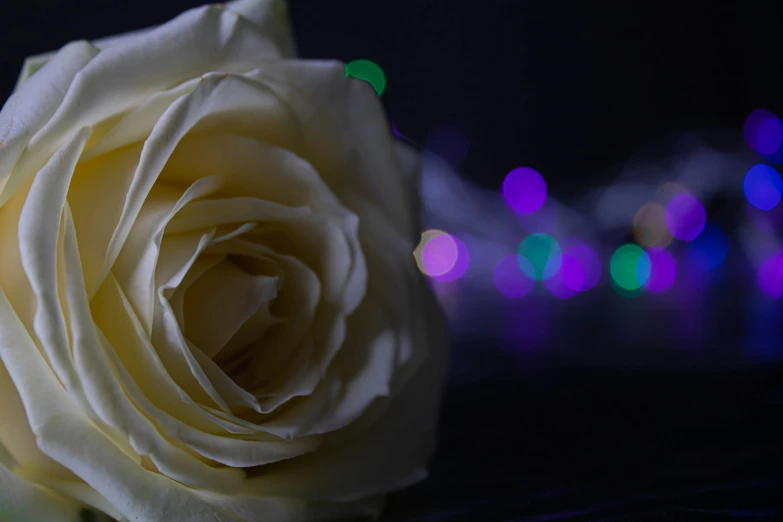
point(673, 214)
point(529, 240)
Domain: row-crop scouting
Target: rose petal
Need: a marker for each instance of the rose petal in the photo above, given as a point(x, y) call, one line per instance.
point(201, 40)
point(39, 226)
point(21, 500)
point(139, 258)
point(134, 352)
point(271, 16)
point(66, 435)
point(27, 110)
point(399, 441)
point(111, 402)
point(220, 301)
point(216, 212)
point(346, 136)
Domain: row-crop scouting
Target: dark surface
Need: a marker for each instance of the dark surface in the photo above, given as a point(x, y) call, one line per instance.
point(521, 442)
point(573, 91)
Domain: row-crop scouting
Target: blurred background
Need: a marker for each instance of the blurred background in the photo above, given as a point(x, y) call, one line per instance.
point(602, 191)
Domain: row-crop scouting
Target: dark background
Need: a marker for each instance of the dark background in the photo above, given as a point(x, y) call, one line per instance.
point(573, 89)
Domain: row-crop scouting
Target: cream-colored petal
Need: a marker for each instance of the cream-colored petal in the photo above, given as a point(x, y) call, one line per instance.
point(201, 40)
point(286, 365)
point(386, 322)
point(27, 110)
point(39, 226)
point(347, 136)
point(271, 16)
point(275, 174)
point(16, 436)
point(327, 246)
point(394, 280)
point(135, 353)
point(134, 126)
point(110, 401)
point(170, 342)
point(399, 440)
point(216, 212)
point(228, 390)
point(67, 436)
point(235, 353)
point(137, 262)
point(229, 451)
point(175, 122)
point(220, 302)
point(365, 365)
point(168, 337)
point(96, 195)
point(199, 267)
point(251, 167)
point(22, 500)
point(75, 489)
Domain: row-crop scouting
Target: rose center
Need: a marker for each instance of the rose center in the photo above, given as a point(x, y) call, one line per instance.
point(228, 309)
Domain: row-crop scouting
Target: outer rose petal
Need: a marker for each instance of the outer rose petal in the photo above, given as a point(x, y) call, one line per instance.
point(27, 111)
point(270, 15)
point(391, 453)
point(21, 500)
point(348, 136)
point(66, 435)
point(207, 39)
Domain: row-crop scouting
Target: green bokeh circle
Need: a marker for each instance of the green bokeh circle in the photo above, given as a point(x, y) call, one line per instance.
point(368, 71)
point(630, 267)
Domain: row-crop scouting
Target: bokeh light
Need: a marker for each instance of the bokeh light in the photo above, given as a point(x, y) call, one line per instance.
point(448, 142)
point(544, 254)
point(708, 251)
point(590, 264)
point(568, 281)
point(763, 131)
point(524, 190)
point(510, 279)
point(460, 265)
point(663, 270)
point(685, 217)
point(649, 225)
point(394, 129)
point(629, 267)
point(368, 71)
point(763, 187)
point(770, 276)
point(437, 253)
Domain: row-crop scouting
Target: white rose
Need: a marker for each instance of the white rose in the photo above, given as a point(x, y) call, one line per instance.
point(209, 309)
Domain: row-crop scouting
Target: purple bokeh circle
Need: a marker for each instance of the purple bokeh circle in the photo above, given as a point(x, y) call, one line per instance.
point(770, 276)
point(460, 265)
point(685, 217)
point(439, 255)
point(510, 279)
point(663, 270)
point(763, 132)
point(590, 262)
point(524, 190)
